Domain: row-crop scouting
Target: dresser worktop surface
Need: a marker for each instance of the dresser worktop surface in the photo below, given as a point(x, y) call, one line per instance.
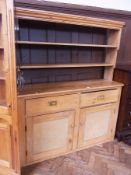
point(66, 87)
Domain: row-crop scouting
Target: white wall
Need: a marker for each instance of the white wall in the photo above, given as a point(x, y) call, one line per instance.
point(113, 4)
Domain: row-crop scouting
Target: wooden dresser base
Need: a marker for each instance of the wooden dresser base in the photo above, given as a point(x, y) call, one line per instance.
point(68, 120)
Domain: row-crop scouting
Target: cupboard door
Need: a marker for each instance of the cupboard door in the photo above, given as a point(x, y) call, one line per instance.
point(5, 145)
point(97, 124)
point(49, 135)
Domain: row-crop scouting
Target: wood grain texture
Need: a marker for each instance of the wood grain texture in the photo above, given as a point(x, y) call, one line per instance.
point(96, 124)
point(4, 110)
point(7, 171)
point(22, 127)
point(6, 152)
point(47, 89)
point(31, 125)
point(8, 112)
point(98, 98)
point(5, 145)
point(45, 109)
point(64, 44)
point(39, 106)
point(45, 66)
point(57, 140)
point(44, 103)
point(65, 18)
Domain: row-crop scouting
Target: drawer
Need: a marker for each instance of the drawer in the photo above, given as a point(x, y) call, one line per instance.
point(51, 104)
point(101, 97)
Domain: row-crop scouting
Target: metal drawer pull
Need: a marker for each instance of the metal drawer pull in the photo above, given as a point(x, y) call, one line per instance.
point(130, 112)
point(52, 103)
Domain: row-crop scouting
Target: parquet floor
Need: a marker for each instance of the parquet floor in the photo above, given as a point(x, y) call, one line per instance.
point(111, 158)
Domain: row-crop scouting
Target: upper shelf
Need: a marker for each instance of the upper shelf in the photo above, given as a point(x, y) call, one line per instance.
point(64, 44)
point(46, 66)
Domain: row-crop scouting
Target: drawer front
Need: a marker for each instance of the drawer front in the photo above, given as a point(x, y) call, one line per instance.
point(101, 97)
point(50, 104)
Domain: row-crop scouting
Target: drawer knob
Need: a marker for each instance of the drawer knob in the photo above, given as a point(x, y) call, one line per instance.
point(52, 103)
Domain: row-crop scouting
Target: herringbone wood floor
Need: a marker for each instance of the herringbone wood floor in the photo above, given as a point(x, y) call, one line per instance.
point(112, 158)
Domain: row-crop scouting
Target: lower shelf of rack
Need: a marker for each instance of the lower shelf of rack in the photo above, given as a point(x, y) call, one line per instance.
point(47, 66)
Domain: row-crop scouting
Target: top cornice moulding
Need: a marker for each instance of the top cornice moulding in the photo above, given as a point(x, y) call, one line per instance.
point(34, 14)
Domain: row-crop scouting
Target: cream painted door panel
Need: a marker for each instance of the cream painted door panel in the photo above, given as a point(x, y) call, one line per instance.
point(49, 135)
point(96, 124)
